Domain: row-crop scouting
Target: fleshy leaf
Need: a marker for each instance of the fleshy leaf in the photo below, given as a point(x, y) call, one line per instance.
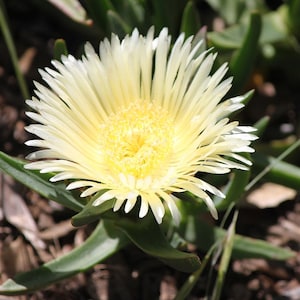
point(280, 172)
point(91, 213)
point(60, 49)
point(293, 13)
point(117, 24)
point(234, 190)
point(190, 22)
point(98, 11)
point(243, 59)
point(38, 182)
point(149, 238)
point(204, 236)
point(103, 242)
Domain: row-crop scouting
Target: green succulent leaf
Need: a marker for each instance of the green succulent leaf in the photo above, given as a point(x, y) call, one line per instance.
point(261, 125)
point(190, 22)
point(38, 182)
point(103, 242)
point(274, 29)
point(293, 16)
point(147, 236)
point(234, 189)
point(131, 11)
point(98, 11)
point(243, 59)
point(277, 171)
point(60, 49)
point(91, 213)
point(117, 24)
point(203, 235)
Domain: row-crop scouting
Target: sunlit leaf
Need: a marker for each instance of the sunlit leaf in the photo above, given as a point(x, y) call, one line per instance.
point(38, 182)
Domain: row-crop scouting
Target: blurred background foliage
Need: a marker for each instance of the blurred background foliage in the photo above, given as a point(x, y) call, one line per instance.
point(259, 38)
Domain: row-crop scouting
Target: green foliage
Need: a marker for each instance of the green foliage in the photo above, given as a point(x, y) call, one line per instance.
point(60, 49)
point(12, 50)
point(38, 182)
point(225, 259)
point(204, 236)
point(190, 22)
point(243, 59)
point(149, 238)
point(103, 242)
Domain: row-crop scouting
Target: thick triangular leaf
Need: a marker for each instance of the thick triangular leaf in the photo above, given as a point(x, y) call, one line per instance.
point(190, 22)
point(203, 235)
point(38, 182)
point(234, 189)
point(147, 235)
point(91, 213)
point(60, 49)
point(104, 242)
point(117, 24)
point(278, 171)
point(242, 61)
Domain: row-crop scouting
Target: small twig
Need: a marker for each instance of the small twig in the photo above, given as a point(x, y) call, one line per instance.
point(284, 154)
point(12, 51)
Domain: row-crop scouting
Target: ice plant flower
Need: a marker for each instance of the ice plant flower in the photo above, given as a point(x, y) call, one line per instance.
point(137, 122)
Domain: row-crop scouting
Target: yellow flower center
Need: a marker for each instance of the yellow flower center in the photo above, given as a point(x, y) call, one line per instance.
point(137, 140)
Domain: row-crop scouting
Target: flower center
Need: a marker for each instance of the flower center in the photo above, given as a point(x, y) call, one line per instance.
point(137, 140)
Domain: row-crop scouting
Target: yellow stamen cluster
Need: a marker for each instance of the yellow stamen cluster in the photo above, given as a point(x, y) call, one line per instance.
point(137, 140)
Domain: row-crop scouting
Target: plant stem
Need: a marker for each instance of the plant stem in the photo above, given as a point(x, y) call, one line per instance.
point(12, 51)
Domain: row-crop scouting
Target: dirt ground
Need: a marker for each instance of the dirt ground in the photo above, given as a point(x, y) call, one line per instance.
point(130, 274)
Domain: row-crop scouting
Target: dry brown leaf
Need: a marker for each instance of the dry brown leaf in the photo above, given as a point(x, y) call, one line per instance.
point(16, 213)
point(57, 231)
point(16, 256)
point(270, 195)
point(25, 62)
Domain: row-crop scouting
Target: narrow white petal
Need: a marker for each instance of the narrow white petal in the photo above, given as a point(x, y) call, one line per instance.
point(131, 201)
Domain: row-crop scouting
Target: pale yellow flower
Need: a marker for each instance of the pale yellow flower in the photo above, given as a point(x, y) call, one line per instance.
point(137, 123)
